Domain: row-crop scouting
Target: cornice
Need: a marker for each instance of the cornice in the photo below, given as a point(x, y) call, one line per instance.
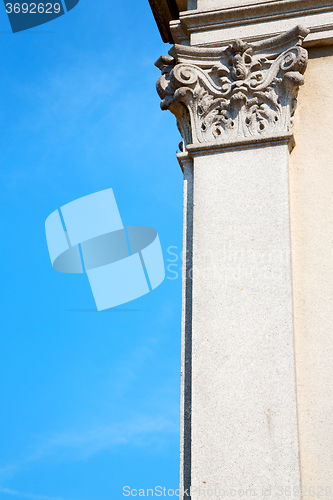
point(317, 15)
point(164, 12)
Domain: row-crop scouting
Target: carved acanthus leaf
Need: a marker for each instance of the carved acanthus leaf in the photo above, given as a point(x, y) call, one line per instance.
point(241, 91)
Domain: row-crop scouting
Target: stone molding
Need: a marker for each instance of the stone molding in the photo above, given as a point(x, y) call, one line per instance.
point(210, 148)
point(273, 17)
point(243, 91)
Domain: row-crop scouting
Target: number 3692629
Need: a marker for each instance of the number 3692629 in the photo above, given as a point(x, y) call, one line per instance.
point(33, 8)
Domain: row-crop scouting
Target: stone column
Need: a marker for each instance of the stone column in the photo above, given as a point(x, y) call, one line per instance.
point(234, 107)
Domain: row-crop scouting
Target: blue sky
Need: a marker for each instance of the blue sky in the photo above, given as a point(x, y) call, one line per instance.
point(89, 401)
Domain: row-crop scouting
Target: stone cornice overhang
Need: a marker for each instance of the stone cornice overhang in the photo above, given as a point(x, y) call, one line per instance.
point(317, 15)
point(164, 11)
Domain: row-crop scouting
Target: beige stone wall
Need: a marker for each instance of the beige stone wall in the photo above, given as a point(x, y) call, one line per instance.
point(311, 187)
point(218, 4)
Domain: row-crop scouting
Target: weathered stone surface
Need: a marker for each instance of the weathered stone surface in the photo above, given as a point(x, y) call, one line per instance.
point(238, 382)
point(239, 340)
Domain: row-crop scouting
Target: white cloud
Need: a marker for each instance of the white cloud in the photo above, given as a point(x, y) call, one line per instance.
point(141, 431)
point(81, 444)
point(7, 491)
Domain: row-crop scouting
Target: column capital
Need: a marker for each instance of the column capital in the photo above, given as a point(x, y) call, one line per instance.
point(242, 92)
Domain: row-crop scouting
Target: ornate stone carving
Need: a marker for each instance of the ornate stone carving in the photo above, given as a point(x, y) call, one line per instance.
point(241, 91)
